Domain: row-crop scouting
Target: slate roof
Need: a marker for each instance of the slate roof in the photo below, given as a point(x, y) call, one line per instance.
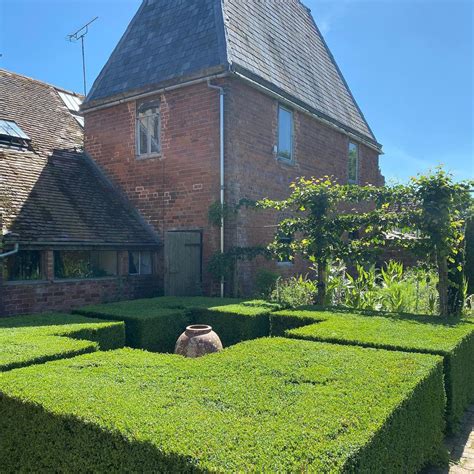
point(275, 43)
point(53, 192)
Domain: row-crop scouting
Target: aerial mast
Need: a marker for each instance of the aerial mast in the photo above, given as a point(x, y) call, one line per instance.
point(79, 35)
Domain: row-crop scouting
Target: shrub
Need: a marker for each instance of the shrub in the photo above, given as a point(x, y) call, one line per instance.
point(451, 338)
point(235, 323)
point(269, 405)
point(265, 282)
point(294, 291)
point(38, 338)
point(155, 324)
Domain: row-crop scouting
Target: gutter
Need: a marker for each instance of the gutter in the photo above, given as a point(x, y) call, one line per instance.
point(11, 252)
point(221, 167)
point(163, 90)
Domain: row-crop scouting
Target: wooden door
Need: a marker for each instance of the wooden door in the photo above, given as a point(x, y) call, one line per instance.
point(183, 269)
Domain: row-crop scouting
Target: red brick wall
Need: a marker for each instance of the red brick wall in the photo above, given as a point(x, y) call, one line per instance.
point(253, 172)
point(172, 191)
point(37, 297)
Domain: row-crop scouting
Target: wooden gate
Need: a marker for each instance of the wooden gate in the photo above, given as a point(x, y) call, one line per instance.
point(183, 268)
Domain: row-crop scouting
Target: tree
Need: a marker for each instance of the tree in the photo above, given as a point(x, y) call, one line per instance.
point(440, 212)
point(329, 221)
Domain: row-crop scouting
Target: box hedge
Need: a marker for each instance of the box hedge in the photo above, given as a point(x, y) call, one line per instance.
point(451, 338)
point(268, 405)
point(34, 339)
point(155, 324)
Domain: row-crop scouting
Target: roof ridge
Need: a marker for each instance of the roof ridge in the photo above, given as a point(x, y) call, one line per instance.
point(43, 83)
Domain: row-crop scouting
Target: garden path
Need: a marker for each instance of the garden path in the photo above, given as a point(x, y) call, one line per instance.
point(461, 448)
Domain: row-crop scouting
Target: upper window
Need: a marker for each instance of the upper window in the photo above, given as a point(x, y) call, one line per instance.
point(148, 129)
point(285, 133)
point(73, 104)
point(353, 163)
point(23, 265)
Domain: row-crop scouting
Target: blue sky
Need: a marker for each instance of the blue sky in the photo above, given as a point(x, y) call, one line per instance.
point(409, 64)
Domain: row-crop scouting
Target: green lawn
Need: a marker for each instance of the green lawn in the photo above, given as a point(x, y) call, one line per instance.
point(271, 404)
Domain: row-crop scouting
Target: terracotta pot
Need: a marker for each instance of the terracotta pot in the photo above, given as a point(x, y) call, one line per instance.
point(198, 340)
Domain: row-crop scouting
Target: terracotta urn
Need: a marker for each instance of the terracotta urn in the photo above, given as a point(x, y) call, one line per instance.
point(198, 340)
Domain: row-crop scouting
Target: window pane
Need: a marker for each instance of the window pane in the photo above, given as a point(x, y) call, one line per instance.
point(72, 264)
point(145, 263)
point(103, 263)
point(133, 262)
point(285, 132)
point(353, 164)
point(143, 140)
point(155, 133)
point(24, 265)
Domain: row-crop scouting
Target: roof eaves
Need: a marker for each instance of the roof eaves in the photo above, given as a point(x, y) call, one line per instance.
point(252, 77)
point(340, 74)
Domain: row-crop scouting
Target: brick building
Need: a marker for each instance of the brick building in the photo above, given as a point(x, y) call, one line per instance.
point(201, 102)
point(73, 238)
point(154, 120)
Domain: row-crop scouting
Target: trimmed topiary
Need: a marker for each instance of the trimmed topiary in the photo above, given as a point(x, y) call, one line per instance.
point(452, 338)
point(268, 405)
point(27, 340)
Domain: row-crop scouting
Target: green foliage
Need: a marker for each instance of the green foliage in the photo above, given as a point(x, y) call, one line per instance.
point(450, 337)
point(222, 265)
point(265, 282)
point(390, 288)
point(469, 269)
point(294, 291)
point(269, 405)
point(155, 324)
point(27, 340)
point(442, 208)
point(236, 322)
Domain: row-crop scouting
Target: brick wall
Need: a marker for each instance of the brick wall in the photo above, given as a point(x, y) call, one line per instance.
point(172, 191)
point(253, 172)
point(37, 297)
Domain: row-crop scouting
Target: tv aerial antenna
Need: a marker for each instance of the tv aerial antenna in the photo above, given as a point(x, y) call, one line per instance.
point(79, 36)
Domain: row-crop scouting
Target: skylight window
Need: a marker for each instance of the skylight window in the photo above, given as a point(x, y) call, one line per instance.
point(73, 104)
point(12, 134)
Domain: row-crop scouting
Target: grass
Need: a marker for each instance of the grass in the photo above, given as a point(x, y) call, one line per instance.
point(27, 340)
point(271, 404)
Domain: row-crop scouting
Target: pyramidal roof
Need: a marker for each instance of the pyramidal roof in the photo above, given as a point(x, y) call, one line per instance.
point(274, 43)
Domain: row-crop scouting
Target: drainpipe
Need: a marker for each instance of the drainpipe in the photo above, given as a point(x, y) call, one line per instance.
point(221, 160)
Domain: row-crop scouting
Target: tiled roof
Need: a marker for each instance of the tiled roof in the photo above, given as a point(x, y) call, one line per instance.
point(275, 43)
point(54, 193)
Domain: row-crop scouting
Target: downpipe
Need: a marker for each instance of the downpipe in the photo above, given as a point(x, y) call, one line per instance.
point(221, 162)
point(11, 252)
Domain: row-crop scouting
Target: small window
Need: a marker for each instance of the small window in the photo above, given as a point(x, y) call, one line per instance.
point(285, 134)
point(148, 129)
point(84, 263)
point(285, 240)
point(24, 265)
point(353, 164)
point(12, 135)
point(140, 263)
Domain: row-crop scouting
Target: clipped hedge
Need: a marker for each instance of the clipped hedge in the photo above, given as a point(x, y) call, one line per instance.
point(27, 340)
point(268, 405)
point(235, 322)
point(155, 324)
point(451, 338)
